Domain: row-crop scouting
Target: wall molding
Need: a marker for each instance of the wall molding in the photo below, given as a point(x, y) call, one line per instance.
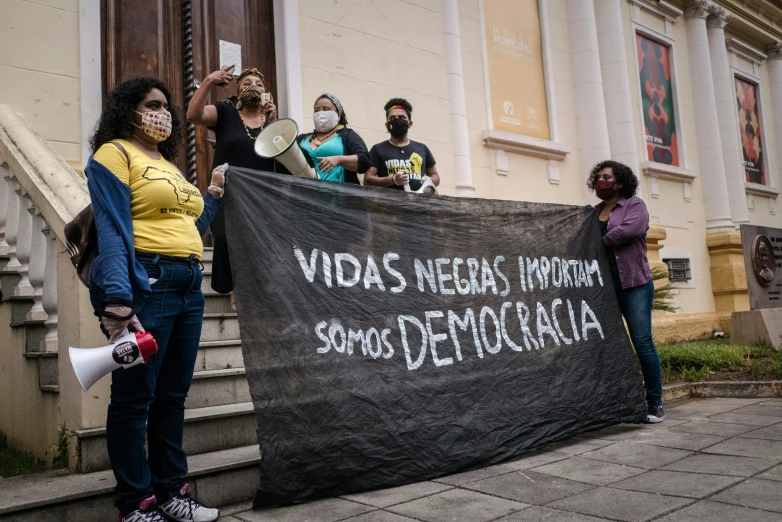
point(765, 191)
point(517, 143)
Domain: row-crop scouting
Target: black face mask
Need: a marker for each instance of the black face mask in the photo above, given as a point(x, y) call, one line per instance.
point(397, 127)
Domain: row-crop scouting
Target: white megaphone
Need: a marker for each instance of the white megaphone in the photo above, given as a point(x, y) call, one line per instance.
point(278, 141)
point(427, 187)
point(90, 364)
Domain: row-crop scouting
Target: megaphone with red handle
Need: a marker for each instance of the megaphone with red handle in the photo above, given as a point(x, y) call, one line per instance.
point(90, 364)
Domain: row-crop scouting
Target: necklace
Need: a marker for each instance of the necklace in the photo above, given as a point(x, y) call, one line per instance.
point(401, 147)
point(319, 141)
point(247, 129)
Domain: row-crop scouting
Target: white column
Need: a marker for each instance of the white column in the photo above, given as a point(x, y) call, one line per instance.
point(49, 297)
point(725, 95)
point(712, 168)
point(37, 264)
point(290, 97)
point(23, 243)
point(775, 81)
point(616, 85)
point(3, 207)
point(590, 104)
point(89, 71)
point(12, 221)
point(460, 136)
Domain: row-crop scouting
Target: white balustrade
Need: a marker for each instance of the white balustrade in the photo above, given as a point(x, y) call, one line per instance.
point(3, 207)
point(24, 240)
point(49, 297)
point(37, 264)
point(12, 221)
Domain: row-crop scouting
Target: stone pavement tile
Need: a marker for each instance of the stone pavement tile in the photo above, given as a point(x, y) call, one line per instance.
point(693, 485)
point(382, 498)
point(760, 409)
point(679, 439)
point(706, 510)
point(328, 510)
point(617, 504)
point(376, 516)
point(616, 433)
point(530, 461)
point(529, 487)
point(458, 504)
point(769, 433)
point(542, 514)
point(771, 450)
point(721, 429)
point(704, 408)
point(753, 493)
point(578, 445)
point(638, 455)
point(772, 474)
point(720, 465)
point(743, 418)
point(590, 471)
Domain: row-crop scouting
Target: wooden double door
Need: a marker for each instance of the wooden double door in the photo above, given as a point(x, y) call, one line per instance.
point(178, 41)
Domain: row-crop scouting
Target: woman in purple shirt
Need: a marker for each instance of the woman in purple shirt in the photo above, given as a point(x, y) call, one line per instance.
point(624, 220)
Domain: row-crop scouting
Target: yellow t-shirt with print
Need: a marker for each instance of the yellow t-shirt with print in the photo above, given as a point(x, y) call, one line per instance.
point(163, 204)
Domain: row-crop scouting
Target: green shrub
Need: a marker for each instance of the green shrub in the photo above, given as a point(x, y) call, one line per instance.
point(754, 366)
point(778, 368)
point(718, 355)
point(692, 374)
point(666, 372)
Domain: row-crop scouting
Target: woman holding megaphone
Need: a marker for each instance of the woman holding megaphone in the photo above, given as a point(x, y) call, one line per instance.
point(147, 275)
point(235, 123)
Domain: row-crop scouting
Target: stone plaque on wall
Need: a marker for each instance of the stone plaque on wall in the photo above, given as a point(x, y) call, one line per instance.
point(763, 262)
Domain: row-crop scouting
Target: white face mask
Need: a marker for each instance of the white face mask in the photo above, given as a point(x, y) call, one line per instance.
point(325, 120)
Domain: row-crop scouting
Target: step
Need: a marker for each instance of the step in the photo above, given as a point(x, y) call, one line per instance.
point(216, 303)
point(220, 327)
point(206, 429)
point(217, 478)
point(218, 388)
point(219, 355)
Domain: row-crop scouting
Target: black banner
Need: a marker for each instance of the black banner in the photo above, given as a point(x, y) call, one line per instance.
point(391, 338)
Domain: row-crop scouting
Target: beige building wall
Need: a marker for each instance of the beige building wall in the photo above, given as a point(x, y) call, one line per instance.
point(39, 68)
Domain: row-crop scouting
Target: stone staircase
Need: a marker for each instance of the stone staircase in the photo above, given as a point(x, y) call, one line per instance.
point(220, 428)
point(45, 309)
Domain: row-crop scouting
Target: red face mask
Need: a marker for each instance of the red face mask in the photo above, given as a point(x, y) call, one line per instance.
point(604, 189)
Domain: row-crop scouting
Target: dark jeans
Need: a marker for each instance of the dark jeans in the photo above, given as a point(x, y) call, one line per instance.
point(152, 395)
point(636, 306)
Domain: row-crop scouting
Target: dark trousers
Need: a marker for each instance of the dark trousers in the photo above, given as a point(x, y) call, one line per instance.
point(636, 306)
point(222, 278)
point(149, 399)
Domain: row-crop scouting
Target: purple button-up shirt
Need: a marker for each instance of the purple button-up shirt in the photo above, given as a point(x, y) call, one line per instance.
point(627, 226)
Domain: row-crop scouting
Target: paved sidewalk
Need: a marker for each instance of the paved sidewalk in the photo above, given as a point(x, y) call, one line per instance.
point(715, 459)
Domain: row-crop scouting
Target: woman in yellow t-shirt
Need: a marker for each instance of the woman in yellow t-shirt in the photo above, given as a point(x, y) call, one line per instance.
point(147, 275)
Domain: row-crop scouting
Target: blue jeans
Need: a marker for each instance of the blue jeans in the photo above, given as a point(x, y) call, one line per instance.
point(636, 306)
point(151, 397)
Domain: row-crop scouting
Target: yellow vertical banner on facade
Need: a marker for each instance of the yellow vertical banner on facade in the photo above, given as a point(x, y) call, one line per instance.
point(515, 64)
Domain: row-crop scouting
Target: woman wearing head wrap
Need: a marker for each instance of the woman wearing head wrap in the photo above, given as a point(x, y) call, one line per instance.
point(235, 125)
point(336, 152)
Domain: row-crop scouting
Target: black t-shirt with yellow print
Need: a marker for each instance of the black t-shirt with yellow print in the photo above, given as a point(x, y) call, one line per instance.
point(413, 158)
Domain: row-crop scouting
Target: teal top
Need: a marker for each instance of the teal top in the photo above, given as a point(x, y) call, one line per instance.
point(332, 147)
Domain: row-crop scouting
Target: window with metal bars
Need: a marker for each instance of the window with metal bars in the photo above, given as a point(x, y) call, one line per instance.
point(678, 270)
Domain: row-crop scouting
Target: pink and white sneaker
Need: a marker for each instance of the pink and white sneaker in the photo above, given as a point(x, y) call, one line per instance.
point(183, 508)
point(147, 512)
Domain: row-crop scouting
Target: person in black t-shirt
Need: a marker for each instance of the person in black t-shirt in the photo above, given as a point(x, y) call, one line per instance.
point(235, 127)
point(400, 161)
